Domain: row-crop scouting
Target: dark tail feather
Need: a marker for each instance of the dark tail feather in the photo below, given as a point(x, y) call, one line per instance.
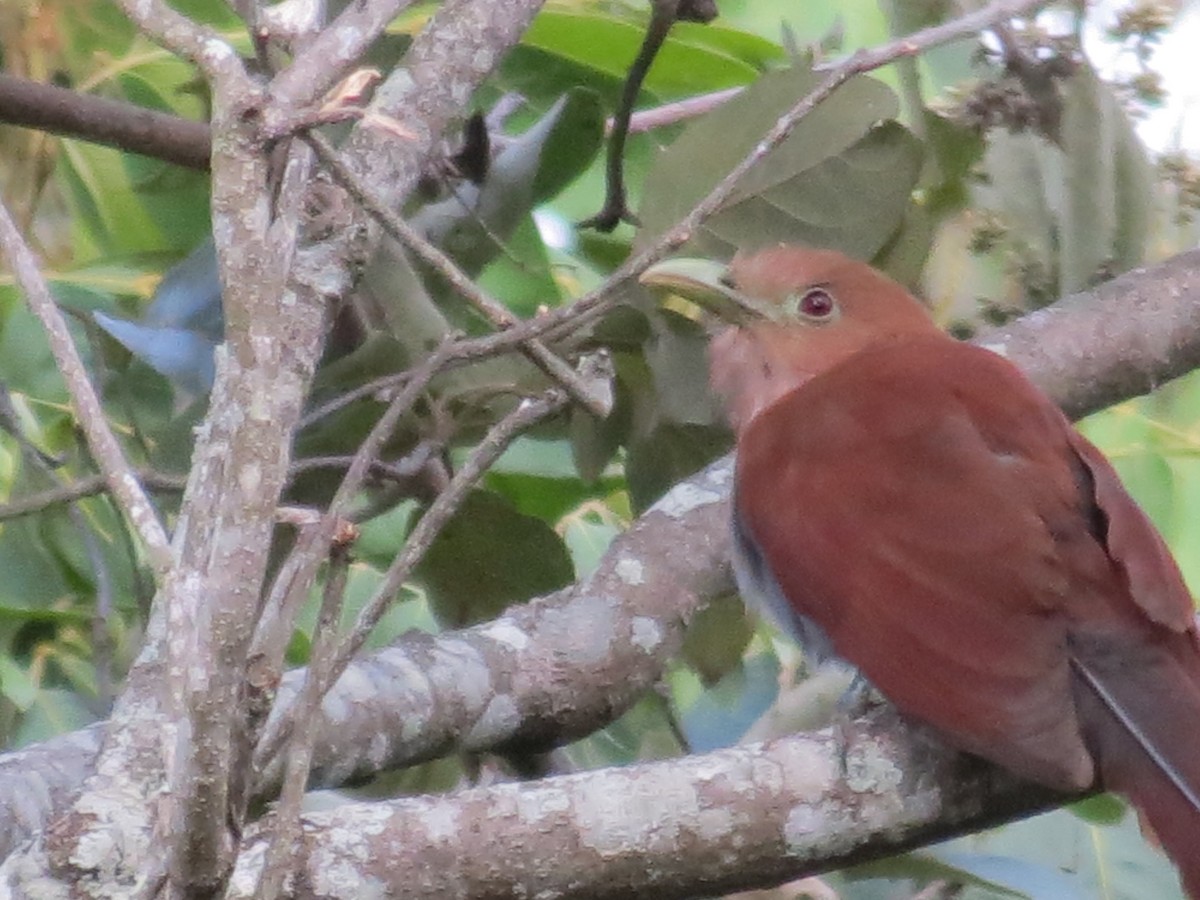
point(1142, 723)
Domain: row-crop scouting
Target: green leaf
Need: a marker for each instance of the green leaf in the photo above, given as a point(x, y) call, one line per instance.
point(521, 276)
point(840, 180)
point(54, 711)
point(993, 875)
point(16, 684)
point(741, 45)
point(1102, 809)
point(567, 138)
point(1089, 212)
point(607, 45)
point(1114, 862)
point(1016, 187)
point(405, 614)
point(643, 732)
point(488, 557)
point(668, 454)
point(678, 360)
point(716, 638)
point(1085, 208)
point(954, 151)
point(587, 538)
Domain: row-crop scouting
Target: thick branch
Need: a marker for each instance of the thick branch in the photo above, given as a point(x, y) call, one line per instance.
point(698, 826)
point(125, 126)
point(1121, 339)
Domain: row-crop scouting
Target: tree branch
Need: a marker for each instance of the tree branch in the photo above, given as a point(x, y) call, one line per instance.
point(733, 819)
point(121, 479)
point(124, 126)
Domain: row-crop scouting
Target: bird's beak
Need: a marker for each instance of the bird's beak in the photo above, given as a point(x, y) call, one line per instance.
point(704, 283)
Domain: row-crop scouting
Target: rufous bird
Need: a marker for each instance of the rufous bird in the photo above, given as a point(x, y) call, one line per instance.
point(917, 507)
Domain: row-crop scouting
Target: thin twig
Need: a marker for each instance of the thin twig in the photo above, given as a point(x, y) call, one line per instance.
point(286, 827)
point(677, 111)
point(341, 401)
point(492, 309)
point(87, 486)
point(92, 485)
point(616, 206)
point(408, 467)
point(121, 479)
point(527, 414)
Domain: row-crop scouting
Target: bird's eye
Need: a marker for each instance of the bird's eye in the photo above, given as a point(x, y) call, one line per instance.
point(816, 304)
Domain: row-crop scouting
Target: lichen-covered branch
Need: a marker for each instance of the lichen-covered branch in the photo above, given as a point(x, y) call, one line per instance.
point(698, 826)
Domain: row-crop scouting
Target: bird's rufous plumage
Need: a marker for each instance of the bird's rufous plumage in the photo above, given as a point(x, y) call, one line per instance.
point(926, 513)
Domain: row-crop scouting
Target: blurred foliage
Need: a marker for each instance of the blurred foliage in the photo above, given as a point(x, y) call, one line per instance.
point(990, 187)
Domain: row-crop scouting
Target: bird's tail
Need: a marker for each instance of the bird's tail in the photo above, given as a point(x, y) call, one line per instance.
point(1142, 720)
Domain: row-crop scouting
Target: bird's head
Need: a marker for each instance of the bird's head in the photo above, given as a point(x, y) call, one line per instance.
point(794, 312)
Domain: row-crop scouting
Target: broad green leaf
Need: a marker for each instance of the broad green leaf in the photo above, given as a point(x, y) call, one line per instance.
point(1102, 809)
point(1015, 188)
point(993, 876)
point(953, 151)
point(678, 359)
point(853, 202)
point(1114, 862)
point(716, 638)
point(1088, 217)
point(16, 684)
point(587, 538)
point(567, 138)
point(838, 180)
point(52, 712)
point(407, 612)
point(905, 255)
point(608, 45)
point(642, 733)
point(33, 578)
point(521, 275)
point(539, 478)
point(669, 454)
point(719, 38)
point(1084, 209)
point(110, 218)
point(488, 557)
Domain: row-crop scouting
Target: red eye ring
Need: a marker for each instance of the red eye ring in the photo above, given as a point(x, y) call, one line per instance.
point(816, 303)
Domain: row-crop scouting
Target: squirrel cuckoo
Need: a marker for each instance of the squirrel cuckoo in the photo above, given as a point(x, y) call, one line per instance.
point(915, 506)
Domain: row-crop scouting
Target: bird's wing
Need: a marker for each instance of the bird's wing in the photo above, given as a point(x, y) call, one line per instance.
point(916, 503)
point(1148, 570)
